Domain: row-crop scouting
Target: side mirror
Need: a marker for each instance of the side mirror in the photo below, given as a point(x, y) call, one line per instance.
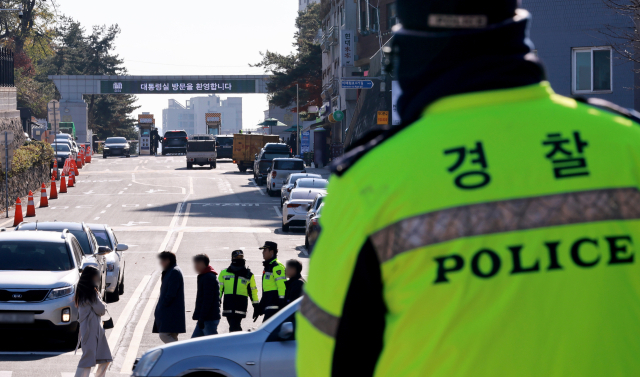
point(103, 250)
point(122, 247)
point(286, 330)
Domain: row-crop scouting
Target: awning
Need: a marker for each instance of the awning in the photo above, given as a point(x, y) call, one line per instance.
point(271, 122)
point(291, 129)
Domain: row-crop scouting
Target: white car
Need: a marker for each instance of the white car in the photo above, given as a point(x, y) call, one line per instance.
point(280, 170)
point(39, 273)
point(289, 183)
point(269, 351)
point(294, 210)
point(115, 260)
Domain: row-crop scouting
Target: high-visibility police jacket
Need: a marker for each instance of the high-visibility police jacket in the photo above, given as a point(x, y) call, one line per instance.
point(501, 242)
point(273, 287)
point(236, 291)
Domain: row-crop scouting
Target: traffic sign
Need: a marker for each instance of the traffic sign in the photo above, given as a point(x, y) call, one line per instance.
point(338, 115)
point(356, 84)
point(383, 117)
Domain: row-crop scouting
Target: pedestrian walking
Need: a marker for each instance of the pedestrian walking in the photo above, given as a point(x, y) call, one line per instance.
point(207, 311)
point(95, 348)
point(295, 282)
point(169, 314)
point(273, 278)
point(520, 260)
point(237, 284)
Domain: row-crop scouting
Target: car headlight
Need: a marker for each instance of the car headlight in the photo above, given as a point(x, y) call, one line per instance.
point(60, 292)
point(111, 267)
point(147, 362)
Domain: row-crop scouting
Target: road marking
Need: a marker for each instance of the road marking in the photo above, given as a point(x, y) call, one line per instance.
point(134, 223)
point(190, 186)
point(126, 188)
point(185, 217)
point(152, 191)
point(103, 211)
point(86, 206)
point(230, 204)
point(6, 373)
point(108, 205)
point(63, 207)
point(255, 184)
point(130, 184)
point(133, 179)
point(176, 244)
point(191, 229)
point(277, 211)
point(89, 192)
point(120, 192)
point(123, 319)
point(96, 218)
point(130, 205)
point(136, 168)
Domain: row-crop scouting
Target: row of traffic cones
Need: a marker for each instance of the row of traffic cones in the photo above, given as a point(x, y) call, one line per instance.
point(70, 168)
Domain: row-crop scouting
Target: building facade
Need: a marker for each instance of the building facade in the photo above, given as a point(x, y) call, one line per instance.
point(579, 58)
point(191, 116)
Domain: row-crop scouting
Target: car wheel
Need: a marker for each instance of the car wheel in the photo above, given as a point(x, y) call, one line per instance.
point(164, 153)
point(71, 340)
point(128, 155)
point(115, 296)
point(285, 227)
point(121, 285)
point(214, 165)
point(104, 156)
point(268, 191)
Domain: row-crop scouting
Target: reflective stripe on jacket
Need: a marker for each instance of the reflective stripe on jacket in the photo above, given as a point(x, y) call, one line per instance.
point(236, 291)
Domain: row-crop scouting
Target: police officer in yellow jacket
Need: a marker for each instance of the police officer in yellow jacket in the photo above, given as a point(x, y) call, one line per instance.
point(237, 284)
point(273, 279)
point(505, 243)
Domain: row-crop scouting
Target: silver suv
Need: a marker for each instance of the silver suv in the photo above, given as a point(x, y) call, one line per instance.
point(38, 278)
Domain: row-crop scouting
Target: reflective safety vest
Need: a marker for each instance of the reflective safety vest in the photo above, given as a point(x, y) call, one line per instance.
point(236, 291)
point(504, 244)
point(273, 287)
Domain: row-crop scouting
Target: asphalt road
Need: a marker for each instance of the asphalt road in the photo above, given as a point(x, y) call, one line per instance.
point(156, 204)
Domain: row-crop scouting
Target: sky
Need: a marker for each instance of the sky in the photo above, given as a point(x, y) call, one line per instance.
point(192, 37)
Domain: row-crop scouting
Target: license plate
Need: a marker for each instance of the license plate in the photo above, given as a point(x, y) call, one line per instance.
point(17, 318)
point(226, 146)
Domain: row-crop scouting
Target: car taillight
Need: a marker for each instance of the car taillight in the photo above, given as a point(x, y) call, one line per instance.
point(187, 137)
point(273, 174)
point(165, 139)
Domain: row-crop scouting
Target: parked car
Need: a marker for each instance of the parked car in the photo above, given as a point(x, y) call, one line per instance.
point(312, 231)
point(287, 184)
point(269, 351)
point(294, 210)
point(264, 158)
point(116, 146)
point(225, 146)
point(174, 142)
point(62, 151)
point(279, 170)
point(72, 144)
point(94, 254)
point(115, 260)
point(39, 274)
point(313, 209)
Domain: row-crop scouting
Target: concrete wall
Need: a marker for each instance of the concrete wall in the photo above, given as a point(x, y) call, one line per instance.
point(560, 25)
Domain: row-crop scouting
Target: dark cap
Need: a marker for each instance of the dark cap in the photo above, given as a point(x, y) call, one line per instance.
point(236, 253)
point(438, 15)
point(270, 245)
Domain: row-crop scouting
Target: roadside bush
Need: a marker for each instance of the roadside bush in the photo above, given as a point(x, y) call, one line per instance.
point(32, 153)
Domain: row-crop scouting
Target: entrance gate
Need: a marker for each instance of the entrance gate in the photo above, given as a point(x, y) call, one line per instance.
point(74, 109)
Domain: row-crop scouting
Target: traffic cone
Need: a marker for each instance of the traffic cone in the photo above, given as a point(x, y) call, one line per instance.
point(54, 192)
point(43, 197)
point(55, 169)
point(31, 208)
point(88, 154)
point(72, 179)
point(73, 166)
point(17, 219)
point(79, 160)
point(63, 183)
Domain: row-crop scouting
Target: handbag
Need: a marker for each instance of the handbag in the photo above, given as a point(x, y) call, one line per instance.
point(108, 324)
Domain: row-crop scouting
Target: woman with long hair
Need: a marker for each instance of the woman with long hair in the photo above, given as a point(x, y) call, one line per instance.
point(95, 349)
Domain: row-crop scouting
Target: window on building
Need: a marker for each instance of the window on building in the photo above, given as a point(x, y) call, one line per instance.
point(592, 70)
point(392, 17)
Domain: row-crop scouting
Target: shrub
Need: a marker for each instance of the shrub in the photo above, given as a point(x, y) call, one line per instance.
point(32, 153)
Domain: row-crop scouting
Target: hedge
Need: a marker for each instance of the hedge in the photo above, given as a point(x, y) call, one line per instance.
point(32, 153)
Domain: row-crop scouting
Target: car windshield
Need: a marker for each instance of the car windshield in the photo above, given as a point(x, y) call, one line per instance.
point(289, 165)
point(295, 177)
point(312, 183)
point(271, 156)
point(225, 141)
point(61, 147)
point(83, 239)
point(102, 237)
point(116, 140)
point(34, 256)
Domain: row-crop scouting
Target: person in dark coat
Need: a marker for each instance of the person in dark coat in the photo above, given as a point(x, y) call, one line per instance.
point(169, 314)
point(207, 311)
point(295, 282)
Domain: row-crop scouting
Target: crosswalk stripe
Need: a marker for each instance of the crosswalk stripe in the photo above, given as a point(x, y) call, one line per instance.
point(5, 373)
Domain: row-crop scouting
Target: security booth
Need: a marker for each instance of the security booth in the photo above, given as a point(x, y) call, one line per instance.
point(146, 124)
point(214, 123)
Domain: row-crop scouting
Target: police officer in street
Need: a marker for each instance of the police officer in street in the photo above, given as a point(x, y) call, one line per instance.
point(155, 138)
point(513, 253)
point(237, 284)
point(273, 281)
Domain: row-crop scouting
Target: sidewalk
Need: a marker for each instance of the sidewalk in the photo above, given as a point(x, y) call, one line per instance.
point(324, 172)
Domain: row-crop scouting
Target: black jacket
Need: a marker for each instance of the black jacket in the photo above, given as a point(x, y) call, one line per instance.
point(294, 289)
point(169, 313)
point(207, 298)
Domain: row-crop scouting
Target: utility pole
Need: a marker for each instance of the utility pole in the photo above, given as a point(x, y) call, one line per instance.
point(298, 133)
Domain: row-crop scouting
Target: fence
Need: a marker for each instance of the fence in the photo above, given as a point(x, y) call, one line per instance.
point(6, 67)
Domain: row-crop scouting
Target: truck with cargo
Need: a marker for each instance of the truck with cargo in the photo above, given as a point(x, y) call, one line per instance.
point(201, 152)
point(247, 146)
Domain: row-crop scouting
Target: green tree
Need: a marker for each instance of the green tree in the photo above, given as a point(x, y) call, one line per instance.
point(304, 67)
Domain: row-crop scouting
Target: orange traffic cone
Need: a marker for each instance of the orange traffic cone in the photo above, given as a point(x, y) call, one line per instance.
point(31, 208)
point(55, 169)
point(79, 160)
point(43, 196)
point(74, 167)
point(54, 192)
point(89, 153)
point(17, 219)
point(63, 183)
point(72, 179)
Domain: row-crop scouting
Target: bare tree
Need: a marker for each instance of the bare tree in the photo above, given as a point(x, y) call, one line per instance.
point(625, 39)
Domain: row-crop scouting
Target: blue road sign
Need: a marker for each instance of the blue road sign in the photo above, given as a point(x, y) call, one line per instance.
point(356, 84)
